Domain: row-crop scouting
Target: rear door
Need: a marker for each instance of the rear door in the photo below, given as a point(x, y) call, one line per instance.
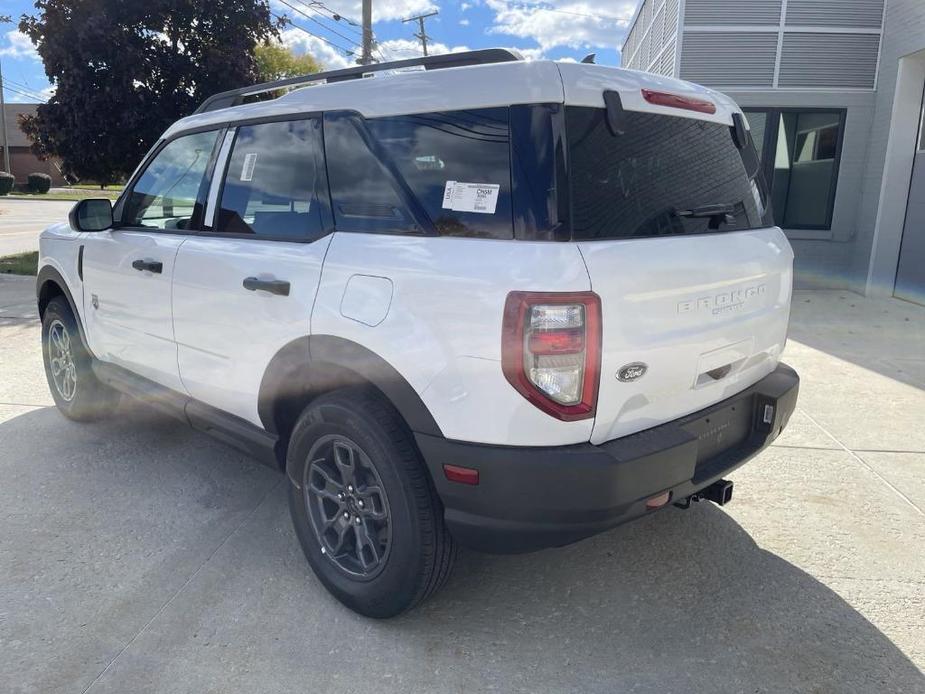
point(245, 288)
point(128, 269)
point(671, 218)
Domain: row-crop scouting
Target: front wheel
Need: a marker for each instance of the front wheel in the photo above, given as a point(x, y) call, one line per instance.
point(364, 509)
point(77, 392)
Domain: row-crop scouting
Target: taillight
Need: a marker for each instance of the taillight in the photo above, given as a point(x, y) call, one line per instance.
point(688, 103)
point(551, 350)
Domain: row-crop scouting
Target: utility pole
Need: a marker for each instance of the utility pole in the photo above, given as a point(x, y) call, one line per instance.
point(6, 142)
point(420, 20)
point(367, 56)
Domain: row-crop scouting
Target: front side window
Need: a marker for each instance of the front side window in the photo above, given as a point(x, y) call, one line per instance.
point(171, 192)
point(664, 175)
point(274, 182)
point(801, 161)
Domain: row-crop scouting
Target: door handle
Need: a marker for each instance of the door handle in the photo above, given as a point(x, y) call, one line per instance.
point(154, 266)
point(280, 287)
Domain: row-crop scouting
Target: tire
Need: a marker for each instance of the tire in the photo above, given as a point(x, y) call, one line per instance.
point(77, 392)
point(356, 429)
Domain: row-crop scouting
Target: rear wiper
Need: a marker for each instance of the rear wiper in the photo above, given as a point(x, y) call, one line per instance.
point(717, 214)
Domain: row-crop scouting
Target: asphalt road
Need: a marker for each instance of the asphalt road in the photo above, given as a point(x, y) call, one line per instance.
point(139, 556)
point(21, 221)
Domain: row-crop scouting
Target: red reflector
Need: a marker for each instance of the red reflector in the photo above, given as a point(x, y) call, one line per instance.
point(463, 475)
point(567, 341)
point(659, 500)
point(678, 101)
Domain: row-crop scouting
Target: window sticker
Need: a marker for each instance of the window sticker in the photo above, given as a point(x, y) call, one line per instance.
point(247, 170)
point(471, 197)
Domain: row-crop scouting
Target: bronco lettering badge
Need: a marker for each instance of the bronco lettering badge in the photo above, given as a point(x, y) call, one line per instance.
point(632, 372)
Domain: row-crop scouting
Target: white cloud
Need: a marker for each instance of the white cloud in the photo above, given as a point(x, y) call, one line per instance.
point(300, 42)
point(571, 23)
point(19, 46)
point(464, 22)
point(400, 49)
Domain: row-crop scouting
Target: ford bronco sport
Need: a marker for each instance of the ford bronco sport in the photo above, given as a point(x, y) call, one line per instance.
point(464, 299)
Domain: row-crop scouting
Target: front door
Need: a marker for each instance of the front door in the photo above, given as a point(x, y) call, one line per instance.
point(910, 274)
point(246, 290)
point(128, 269)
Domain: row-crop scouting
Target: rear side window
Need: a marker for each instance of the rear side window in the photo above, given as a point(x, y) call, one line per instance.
point(446, 173)
point(458, 166)
point(274, 182)
point(664, 175)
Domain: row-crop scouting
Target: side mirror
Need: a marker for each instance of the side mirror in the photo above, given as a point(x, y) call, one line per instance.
point(93, 214)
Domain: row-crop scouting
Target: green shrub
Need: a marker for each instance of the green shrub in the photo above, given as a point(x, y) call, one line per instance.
point(6, 182)
point(39, 183)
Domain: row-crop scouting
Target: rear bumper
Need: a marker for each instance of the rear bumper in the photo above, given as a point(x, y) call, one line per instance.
point(531, 498)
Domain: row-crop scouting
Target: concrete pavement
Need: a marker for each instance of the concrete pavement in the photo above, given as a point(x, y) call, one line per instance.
point(21, 221)
point(137, 555)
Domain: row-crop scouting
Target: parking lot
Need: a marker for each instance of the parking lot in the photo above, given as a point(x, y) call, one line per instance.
point(21, 221)
point(137, 555)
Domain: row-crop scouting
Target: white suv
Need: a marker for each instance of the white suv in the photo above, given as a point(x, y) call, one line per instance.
point(501, 303)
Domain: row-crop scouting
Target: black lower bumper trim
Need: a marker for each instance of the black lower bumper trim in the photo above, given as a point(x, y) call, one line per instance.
point(531, 498)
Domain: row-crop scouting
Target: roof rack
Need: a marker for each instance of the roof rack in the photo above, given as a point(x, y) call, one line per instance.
point(235, 97)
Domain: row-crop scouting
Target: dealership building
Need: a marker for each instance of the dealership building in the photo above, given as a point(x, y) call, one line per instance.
point(833, 91)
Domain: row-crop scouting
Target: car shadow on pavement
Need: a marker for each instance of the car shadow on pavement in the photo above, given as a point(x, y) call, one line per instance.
point(143, 532)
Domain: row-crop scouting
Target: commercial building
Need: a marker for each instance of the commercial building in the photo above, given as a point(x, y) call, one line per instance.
point(22, 161)
point(833, 92)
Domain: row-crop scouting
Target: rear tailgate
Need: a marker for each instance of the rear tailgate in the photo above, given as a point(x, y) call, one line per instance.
point(707, 315)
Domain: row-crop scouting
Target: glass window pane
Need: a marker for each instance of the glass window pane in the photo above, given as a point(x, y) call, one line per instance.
point(804, 168)
point(364, 192)
point(272, 182)
point(663, 175)
point(434, 152)
point(758, 122)
point(171, 189)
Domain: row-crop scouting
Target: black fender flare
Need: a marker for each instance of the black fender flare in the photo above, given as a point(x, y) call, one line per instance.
point(315, 364)
point(49, 275)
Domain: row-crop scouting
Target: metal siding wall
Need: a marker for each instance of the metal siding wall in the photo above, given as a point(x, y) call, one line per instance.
point(666, 66)
point(671, 17)
point(731, 12)
point(729, 60)
point(842, 13)
point(828, 60)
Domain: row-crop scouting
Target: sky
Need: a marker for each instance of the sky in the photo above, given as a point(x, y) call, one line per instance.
point(556, 29)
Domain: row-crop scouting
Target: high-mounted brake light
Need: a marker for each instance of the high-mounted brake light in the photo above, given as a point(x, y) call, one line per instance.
point(551, 350)
point(688, 103)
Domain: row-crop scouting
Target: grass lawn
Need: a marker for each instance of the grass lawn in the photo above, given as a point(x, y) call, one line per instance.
point(74, 194)
point(20, 264)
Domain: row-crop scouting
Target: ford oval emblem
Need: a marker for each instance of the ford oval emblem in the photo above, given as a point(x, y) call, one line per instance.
point(632, 372)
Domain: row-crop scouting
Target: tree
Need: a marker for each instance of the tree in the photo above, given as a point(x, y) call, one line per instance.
point(124, 71)
point(275, 62)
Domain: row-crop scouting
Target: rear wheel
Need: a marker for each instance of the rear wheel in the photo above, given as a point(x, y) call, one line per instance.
point(77, 392)
point(364, 509)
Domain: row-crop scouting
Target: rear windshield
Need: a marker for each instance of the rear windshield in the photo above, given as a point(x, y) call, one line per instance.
point(664, 175)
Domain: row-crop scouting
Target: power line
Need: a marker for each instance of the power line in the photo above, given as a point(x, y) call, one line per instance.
point(323, 26)
point(331, 14)
point(346, 51)
point(8, 88)
point(25, 87)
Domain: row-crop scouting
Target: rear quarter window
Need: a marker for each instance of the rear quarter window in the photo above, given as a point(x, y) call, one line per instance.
point(398, 174)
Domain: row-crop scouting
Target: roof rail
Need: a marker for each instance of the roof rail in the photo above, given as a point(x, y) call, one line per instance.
point(235, 97)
